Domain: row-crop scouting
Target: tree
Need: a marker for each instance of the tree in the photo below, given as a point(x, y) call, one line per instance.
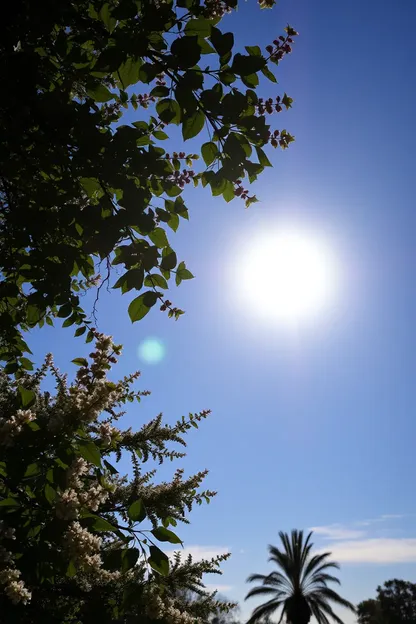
point(395, 604)
point(80, 542)
point(299, 587)
point(81, 192)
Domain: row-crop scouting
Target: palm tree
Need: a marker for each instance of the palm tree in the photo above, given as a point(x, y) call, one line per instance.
point(300, 585)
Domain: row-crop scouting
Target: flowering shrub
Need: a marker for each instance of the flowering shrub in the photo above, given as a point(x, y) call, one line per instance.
point(80, 542)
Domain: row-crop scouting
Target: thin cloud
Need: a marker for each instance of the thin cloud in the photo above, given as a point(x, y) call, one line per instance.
point(347, 532)
point(199, 552)
point(375, 550)
point(337, 532)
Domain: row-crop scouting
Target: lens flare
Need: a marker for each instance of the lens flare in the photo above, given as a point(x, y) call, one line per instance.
point(151, 351)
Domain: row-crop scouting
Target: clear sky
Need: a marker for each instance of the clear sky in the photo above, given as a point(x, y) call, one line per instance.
point(312, 426)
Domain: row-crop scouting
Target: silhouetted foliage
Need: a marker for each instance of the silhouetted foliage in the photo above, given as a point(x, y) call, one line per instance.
point(299, 586)
point(395, 604)
point(80, 541)
point(81, 192)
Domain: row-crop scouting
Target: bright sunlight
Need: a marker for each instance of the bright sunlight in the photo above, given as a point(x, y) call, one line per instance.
point(288, 275)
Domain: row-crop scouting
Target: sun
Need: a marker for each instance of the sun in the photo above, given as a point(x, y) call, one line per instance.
point(288, 275)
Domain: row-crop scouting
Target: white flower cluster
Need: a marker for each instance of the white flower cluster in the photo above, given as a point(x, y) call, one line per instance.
point(6, 532)
point(14, 589)
point(90, 402)
point(91, 394)
point(67, 505)
point(95, 496)
point(107, 433)
point(83, 546)
point(158, 608)
point(11, 427)
point(77, 469)
point(75, 496)
point(70, 501)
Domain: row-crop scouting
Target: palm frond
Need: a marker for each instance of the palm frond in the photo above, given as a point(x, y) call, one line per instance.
point(329, 594)
point(317, 613)
point(261, 589)
point(264, 610)
point(253, 578)
point(320, 578)
point(325, 608)
point(299, 576)
point(317, 562)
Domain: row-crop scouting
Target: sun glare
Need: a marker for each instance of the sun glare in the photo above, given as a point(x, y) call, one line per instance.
point(288, 275)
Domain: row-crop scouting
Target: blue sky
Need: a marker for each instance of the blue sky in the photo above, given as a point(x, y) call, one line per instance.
point(313, 427)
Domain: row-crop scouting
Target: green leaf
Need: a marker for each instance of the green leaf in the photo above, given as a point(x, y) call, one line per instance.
point(200, 27)
point(160, 135)
point(128, 72)
point(253, 50)
point(250, 81)
point(90, 452)
point(71, 569)
point(164, 535)
point(227, 77)
point(101, 524)
point(91, 186)
point(228, 194)
point(266, 72)
point(129, 558)
point(105, 15)
point(27, 397)
point(159, 238)
point(31, 470)
point(193, 124)
point(33, 314)
point(49, 321)
point(9, 502)
point(80, 331)
point(80, 362)
point(169, 259)
point(169, 111)
point(110, 467)
point(137, 512)
point(245, 65)
point(223, 43)
point(173, 222)
point(160, 91)
point(70, 321)
point(209, 152)
point(100, 93)
point(263, 160)
point(50, 493)
point(140, 306)
point(130, 279)
point(287, 101)
point(206, 48)
point(158, 561)
point(155, 281)
point(182, 273)
point(65, 310)
point(186, 50)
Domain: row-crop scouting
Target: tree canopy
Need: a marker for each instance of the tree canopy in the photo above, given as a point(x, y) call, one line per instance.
point(395, 603)
point(81, 191)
